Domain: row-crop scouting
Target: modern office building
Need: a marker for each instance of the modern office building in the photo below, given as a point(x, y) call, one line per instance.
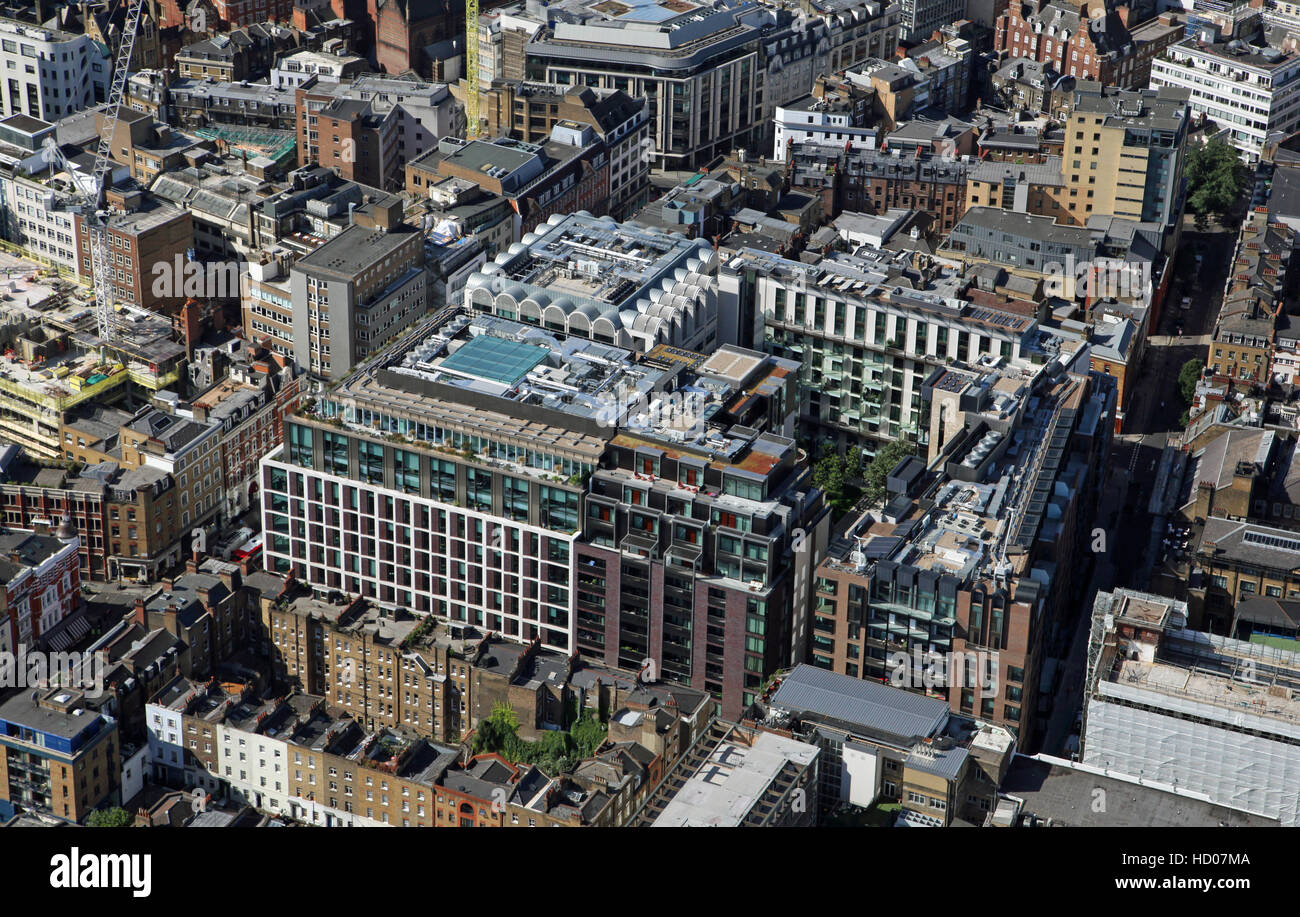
point(357, 291)
point(615, 283)
point(49, 73)
point(713, 74)
point(1247, 90)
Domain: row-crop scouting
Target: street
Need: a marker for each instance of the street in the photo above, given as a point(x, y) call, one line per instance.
point(1154, 413)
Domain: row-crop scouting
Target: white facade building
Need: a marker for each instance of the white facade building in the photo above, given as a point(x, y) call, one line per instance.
point(1247, 91)
point(813, 120)
point(48, 73)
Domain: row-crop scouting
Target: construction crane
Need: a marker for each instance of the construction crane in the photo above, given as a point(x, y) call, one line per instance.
point(471, 69)
point(92, 198)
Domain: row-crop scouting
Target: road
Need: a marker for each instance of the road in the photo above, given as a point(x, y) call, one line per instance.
point(1132, 533)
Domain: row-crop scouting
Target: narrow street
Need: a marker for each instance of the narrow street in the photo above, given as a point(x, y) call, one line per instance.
point(1154, 414)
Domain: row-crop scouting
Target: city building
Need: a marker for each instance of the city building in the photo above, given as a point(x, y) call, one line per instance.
point(40, 573)
point(714, 76)
point(1246, 90)
point(1092, 40)
point(737, 776)
point(530, 111)
point(1205, 714)
point(355, 292)
point(614, 283)
point(874, 181)
point(974, 566)
point(57, 756)
point(699, 540)
point(568, 173)
point(867, 333)
point(882, 745)
point(35, 87)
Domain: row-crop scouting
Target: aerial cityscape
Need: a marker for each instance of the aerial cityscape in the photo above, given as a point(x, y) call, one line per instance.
point(650, 413)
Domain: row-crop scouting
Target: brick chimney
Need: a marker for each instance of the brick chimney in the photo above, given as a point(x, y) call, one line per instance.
point(140, 616)
point(1122, 12)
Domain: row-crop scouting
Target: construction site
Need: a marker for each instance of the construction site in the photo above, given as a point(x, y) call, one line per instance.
point(1191, 710)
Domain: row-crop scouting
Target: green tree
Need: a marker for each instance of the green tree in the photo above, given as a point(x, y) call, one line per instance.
point(116, 817)
point(1215, 179)
point(875, 474)
point(1187, 379)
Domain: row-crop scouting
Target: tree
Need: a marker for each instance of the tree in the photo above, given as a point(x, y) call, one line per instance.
point(116, 817)
point(876, 473)
point(1188, 376)
point(1215, 179)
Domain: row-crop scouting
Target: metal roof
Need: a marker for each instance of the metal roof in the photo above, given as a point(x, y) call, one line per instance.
point(868, 705)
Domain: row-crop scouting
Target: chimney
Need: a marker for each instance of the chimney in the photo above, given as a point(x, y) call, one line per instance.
point(41, 526)
point(140, 616)
point(192, 565)
point(1122, 12)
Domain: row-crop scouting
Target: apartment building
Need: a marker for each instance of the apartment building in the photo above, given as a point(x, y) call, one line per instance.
point(50, 73)
point(1024, 84)
point(243, 53)
point(699, 538)
point(355, 292)
point(1092, 40)
point(530, 111)
point(40, 573)
point(369, 128)
point(36, 205)
point(875, 181)
point(1177, 707)
point(479, 495)
point(146, 237)
point(196, 103)
point(1135, 142)
point(57, 755)
point(208, 612)
point(1240, 560)
point(865, 345)
point(293, 70)
point(1038, 247)
point(1248, 90)
point(189, 451)
point(975, 564)
point(249, 405)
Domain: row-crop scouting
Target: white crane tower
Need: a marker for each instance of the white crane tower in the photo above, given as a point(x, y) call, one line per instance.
point(92, 198)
